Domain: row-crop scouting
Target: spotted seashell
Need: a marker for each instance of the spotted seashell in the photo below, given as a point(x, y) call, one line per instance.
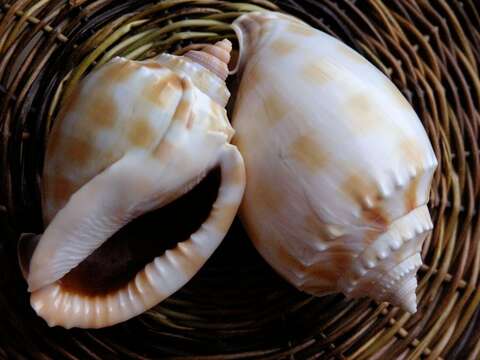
point(134, 137)
point(338, 164)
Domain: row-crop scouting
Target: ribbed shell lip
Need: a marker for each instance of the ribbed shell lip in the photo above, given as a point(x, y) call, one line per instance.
point(126, 175)
point(124, 255)
point(159, 278)
point(409, 227)
point(92, 215)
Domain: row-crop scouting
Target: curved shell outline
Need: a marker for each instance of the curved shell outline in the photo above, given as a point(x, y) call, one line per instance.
point(338, 164)
point(134, 137)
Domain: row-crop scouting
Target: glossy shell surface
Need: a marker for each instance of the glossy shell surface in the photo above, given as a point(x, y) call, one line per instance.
point(133, 137)
point(338, 164)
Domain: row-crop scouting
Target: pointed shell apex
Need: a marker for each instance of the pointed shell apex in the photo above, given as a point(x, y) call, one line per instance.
point(213, 57)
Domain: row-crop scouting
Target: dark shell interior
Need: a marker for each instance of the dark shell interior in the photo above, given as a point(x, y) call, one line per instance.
point(127, 252)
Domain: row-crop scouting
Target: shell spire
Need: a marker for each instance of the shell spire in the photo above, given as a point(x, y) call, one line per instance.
point(213, 57)
point(395, 284)
point(398, 288)
point(205, 64)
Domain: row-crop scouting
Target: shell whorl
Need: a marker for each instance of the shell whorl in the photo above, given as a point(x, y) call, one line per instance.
point(362, 227)
point(152, 129)
point(391, 262)
point(213, 57)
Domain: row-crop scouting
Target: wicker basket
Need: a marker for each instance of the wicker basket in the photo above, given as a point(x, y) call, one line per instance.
point(237, 307)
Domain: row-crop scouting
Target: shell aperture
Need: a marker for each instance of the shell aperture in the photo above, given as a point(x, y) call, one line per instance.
point(134, 137)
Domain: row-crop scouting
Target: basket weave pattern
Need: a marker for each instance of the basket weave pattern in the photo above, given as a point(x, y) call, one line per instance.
point(237, 307)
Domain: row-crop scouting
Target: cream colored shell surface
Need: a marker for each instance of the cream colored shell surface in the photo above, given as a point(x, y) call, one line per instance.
point(338, 164)
point(133, 137)
point(126, 106)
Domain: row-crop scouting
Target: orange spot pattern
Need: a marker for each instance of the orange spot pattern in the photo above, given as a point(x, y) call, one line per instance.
point(141, 133)
point(300, 29)
point(275, 108)
point(411, 195)
point(318, 72)
point(78, 150)
point(358, 188)
point(117, 72)
point(307, 151)
point(102, 111)
point(363, 114)
point(282, 47)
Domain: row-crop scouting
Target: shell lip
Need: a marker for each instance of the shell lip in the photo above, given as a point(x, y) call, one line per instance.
point(139, 243)
point(161, 277)
point(102, 235)
point(241, 28)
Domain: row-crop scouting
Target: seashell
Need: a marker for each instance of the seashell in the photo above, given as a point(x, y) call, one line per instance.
point(136, 136)
point(338, 164)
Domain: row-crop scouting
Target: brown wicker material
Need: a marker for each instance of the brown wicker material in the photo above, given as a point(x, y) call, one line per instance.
point(237, 307)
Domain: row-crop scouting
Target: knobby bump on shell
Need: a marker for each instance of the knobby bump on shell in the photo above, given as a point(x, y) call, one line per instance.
point(134, 137)
point(338, 164)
